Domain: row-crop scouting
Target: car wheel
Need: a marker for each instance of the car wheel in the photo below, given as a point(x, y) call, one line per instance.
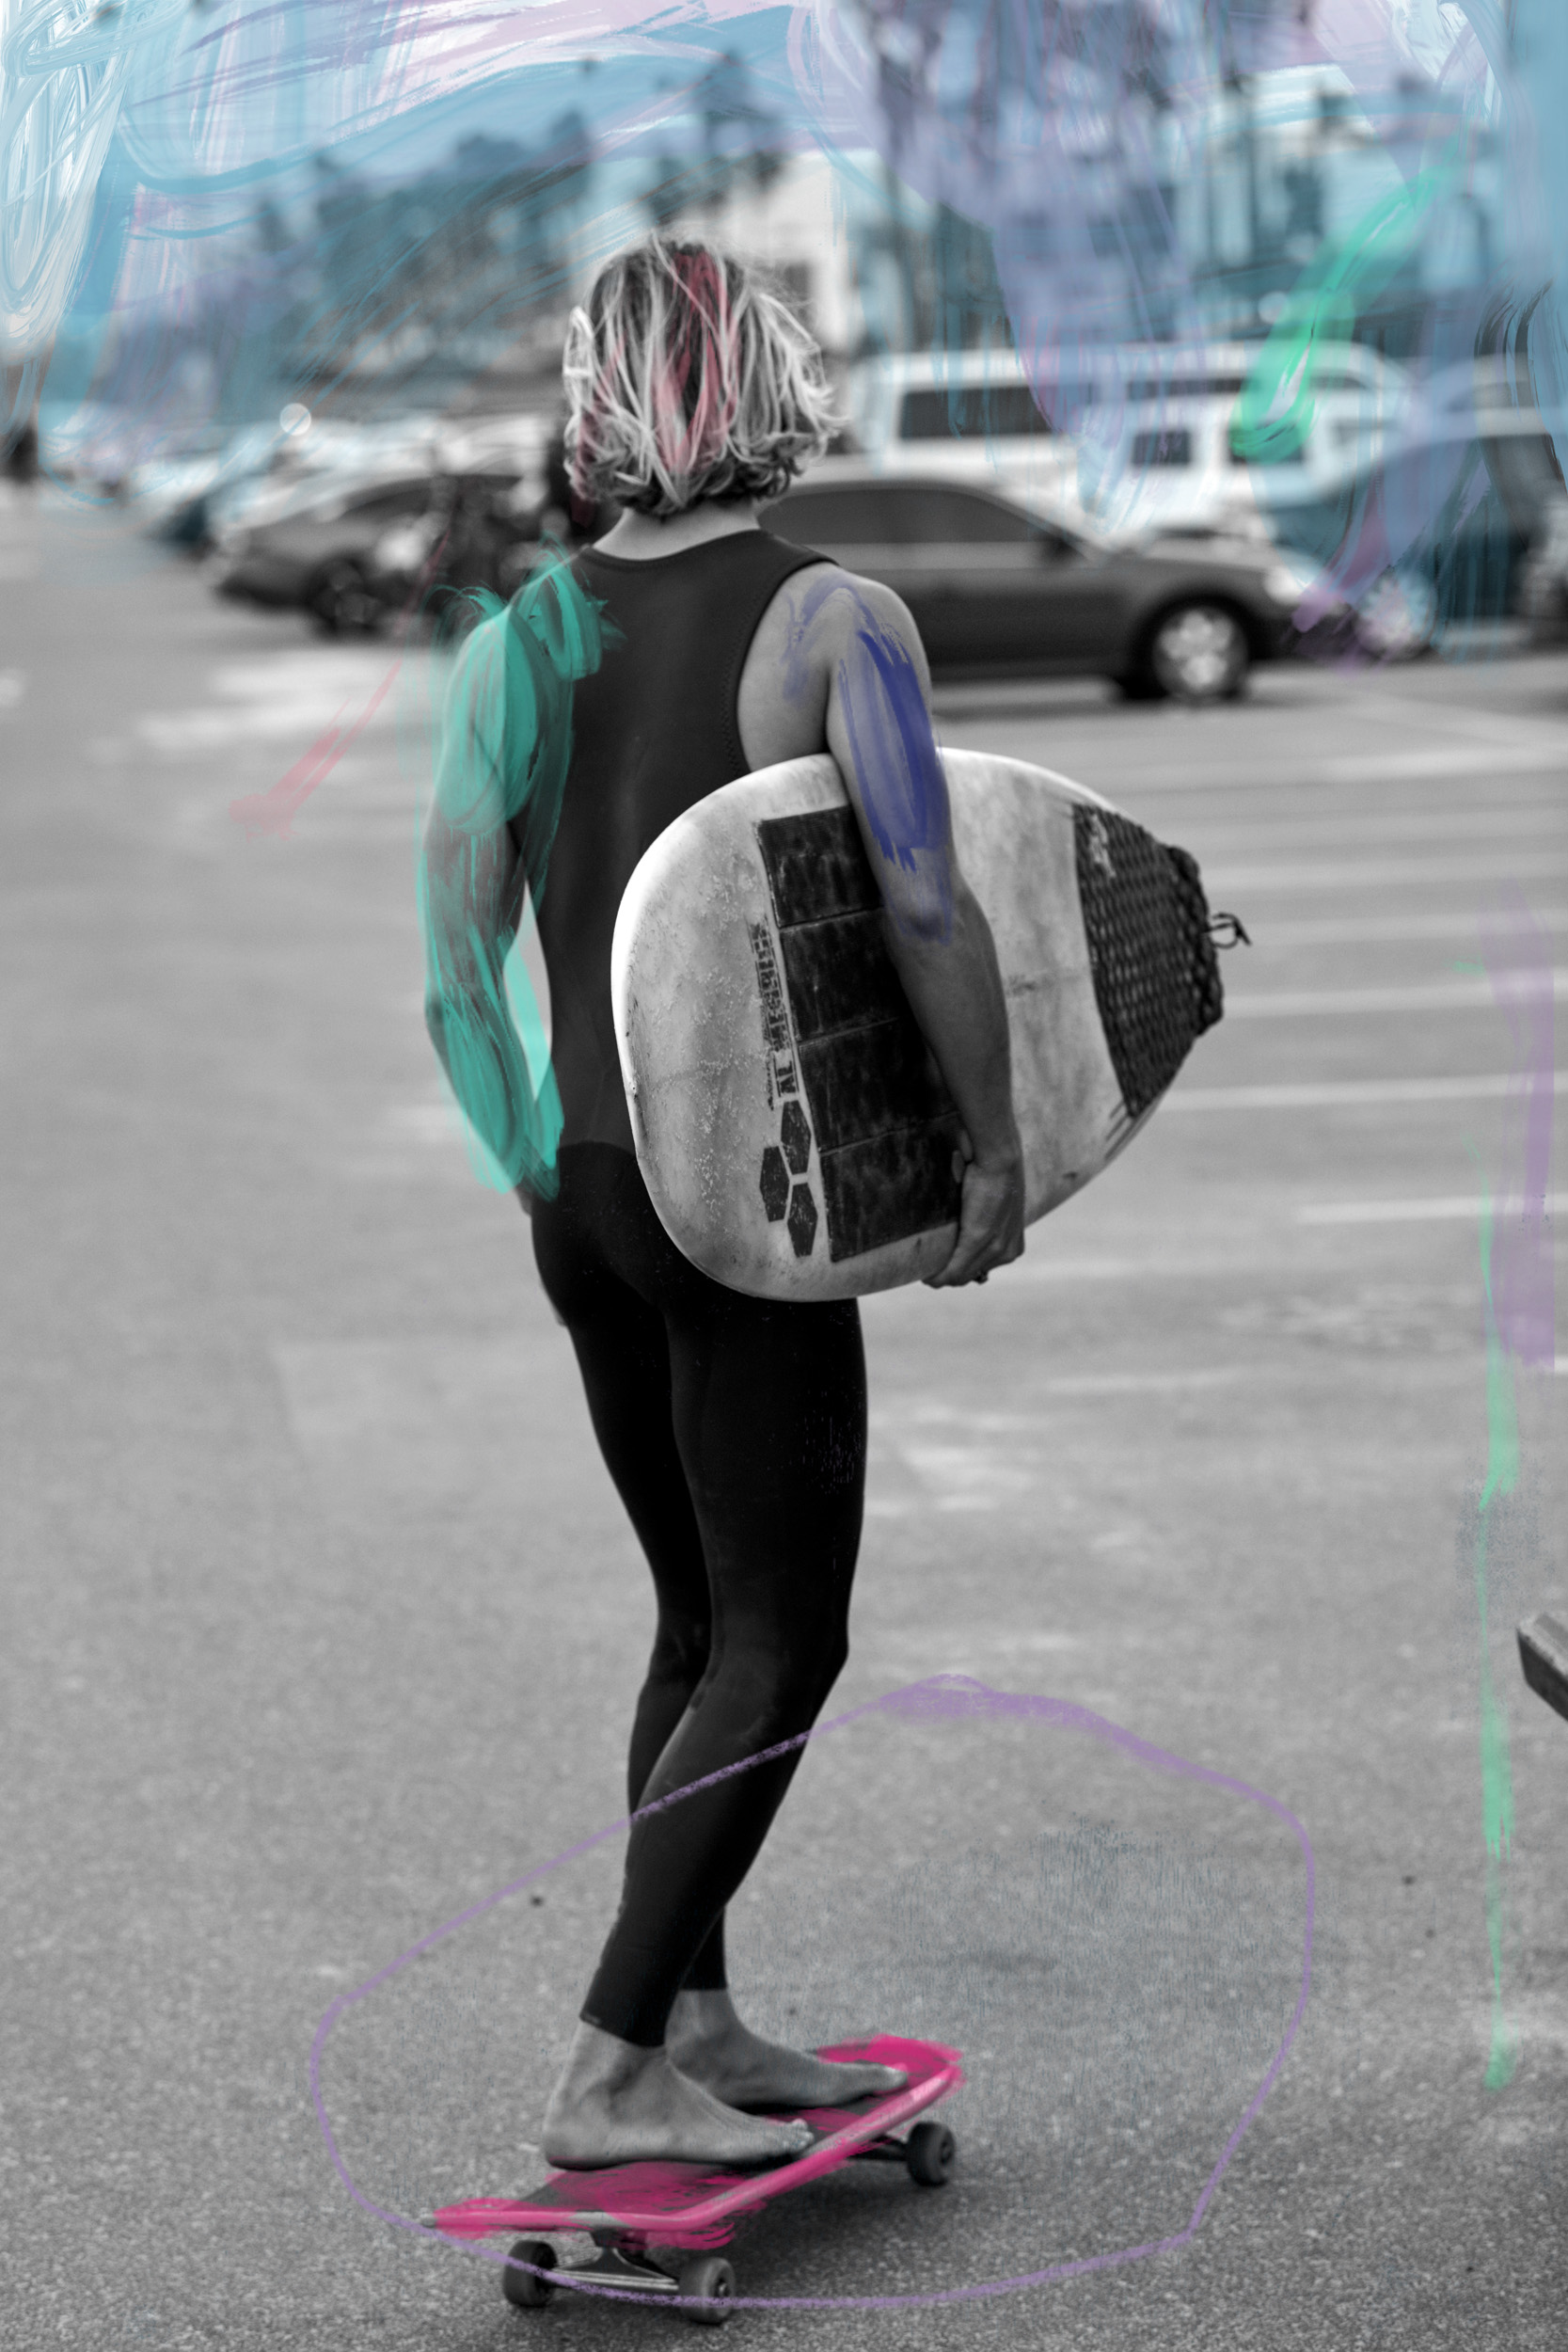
point(1200, 653)
point(344, 603)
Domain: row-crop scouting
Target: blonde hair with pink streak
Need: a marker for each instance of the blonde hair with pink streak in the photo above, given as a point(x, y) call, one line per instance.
point(689, 378)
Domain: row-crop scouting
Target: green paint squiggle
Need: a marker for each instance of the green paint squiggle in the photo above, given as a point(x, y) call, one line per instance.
point(1342, 280)
point(502, 756)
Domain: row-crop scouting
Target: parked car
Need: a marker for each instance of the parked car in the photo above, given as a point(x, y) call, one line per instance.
point(1175, 459)
point(352, 552)
point(998, 588)
point(1184, 460)
point(173, 494)
point(1543, 596)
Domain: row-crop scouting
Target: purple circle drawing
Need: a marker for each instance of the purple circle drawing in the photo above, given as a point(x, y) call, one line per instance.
point(940, 1695)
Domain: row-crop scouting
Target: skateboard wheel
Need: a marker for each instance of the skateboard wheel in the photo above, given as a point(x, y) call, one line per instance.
point(713, 2278)
point(930, 2153)
point(520, 2287)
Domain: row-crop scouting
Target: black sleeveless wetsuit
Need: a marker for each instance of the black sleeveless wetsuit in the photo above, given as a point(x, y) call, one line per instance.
point(733, 1427)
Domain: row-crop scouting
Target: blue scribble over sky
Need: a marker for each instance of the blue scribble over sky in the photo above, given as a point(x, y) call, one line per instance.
point(143, 143)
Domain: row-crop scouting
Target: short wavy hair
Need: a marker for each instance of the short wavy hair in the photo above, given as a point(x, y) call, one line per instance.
point(689, 377)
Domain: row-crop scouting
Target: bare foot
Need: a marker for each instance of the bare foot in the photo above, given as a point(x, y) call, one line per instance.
point(619, 2104)
point(709, 2043)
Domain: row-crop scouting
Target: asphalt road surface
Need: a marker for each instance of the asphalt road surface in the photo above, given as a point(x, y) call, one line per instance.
point(322, 1626)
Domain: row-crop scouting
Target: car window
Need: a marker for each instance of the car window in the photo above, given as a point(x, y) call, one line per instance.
point(971, 412)
point(1171, 446)
point(852, 516)
point(1284, 448)
point(932, 515)
point(1183, 386)
point(981, 412)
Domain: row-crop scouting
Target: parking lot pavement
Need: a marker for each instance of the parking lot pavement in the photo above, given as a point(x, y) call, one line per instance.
point(324, 1626)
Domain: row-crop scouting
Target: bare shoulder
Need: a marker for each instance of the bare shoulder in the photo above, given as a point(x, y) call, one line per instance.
point(820, 611)
point(817, 620)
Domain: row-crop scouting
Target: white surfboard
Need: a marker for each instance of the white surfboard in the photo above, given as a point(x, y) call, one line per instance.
point(791, 1125)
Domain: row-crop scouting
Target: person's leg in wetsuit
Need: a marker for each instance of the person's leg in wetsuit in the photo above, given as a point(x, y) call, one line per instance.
point(735, 1430)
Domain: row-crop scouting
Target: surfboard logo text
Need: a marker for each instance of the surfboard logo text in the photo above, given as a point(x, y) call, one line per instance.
point(775, 1017)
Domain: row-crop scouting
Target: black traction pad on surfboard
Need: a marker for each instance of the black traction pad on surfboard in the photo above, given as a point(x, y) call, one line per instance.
point(885, 1125)
point(1156, 974)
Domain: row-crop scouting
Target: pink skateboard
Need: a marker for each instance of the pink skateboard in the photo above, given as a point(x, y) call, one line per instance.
point(683, 2210)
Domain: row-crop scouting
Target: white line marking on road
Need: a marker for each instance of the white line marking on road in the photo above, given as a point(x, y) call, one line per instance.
point(1413, 826)
point(1379, 767)
point(1262, 776)
point(1344, 931)
point(1040, 1268)
point(1335, 1093)
point(1147, 1383)
point(1415, 1212)
point(1404, 873)
point(1434, 996)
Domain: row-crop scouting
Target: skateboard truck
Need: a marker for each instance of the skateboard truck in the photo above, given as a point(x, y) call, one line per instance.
point(702, 2283)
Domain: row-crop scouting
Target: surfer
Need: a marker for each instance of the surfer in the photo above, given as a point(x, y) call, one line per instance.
point(686, 647)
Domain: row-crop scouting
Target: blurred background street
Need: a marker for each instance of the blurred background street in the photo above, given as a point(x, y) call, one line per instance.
point(324, 1623)
point(1203, 388)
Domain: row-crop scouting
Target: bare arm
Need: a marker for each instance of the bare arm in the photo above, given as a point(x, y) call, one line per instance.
point(471, 885)
point(878, 725)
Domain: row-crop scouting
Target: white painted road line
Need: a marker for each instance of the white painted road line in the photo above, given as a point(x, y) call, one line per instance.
point(1389, 873)
point(1416, 1212)
point(1263, 777)
point(1334, 930)
point(1434, 996)
point(1148, 1383)
point(1390, 828)
point(1347, 1093)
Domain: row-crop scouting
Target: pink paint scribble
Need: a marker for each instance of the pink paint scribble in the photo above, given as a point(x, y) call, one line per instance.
point(274, 810)
point(1519, 967)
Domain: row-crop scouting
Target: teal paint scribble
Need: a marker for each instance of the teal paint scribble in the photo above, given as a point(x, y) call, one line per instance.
point(503, 750)
point(1277, 406)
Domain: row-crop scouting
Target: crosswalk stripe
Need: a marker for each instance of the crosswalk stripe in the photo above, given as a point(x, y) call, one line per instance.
point(1336, 1093)
point(1404, 873)
point(1261, 777)
point(1417, 1212)
point(1434, 996)
point(1332, 931)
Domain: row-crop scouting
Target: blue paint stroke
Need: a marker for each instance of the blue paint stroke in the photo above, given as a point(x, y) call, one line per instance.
point(899, 775)
point(942, 1696)
point(903, 791)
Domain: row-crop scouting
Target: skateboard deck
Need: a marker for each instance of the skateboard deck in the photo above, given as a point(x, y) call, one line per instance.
point(792, 1127)
point(693, 2207)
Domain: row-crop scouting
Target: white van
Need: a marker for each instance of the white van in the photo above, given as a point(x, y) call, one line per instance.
point(1185, 461)
point(1171, 456)
point(971, 413)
